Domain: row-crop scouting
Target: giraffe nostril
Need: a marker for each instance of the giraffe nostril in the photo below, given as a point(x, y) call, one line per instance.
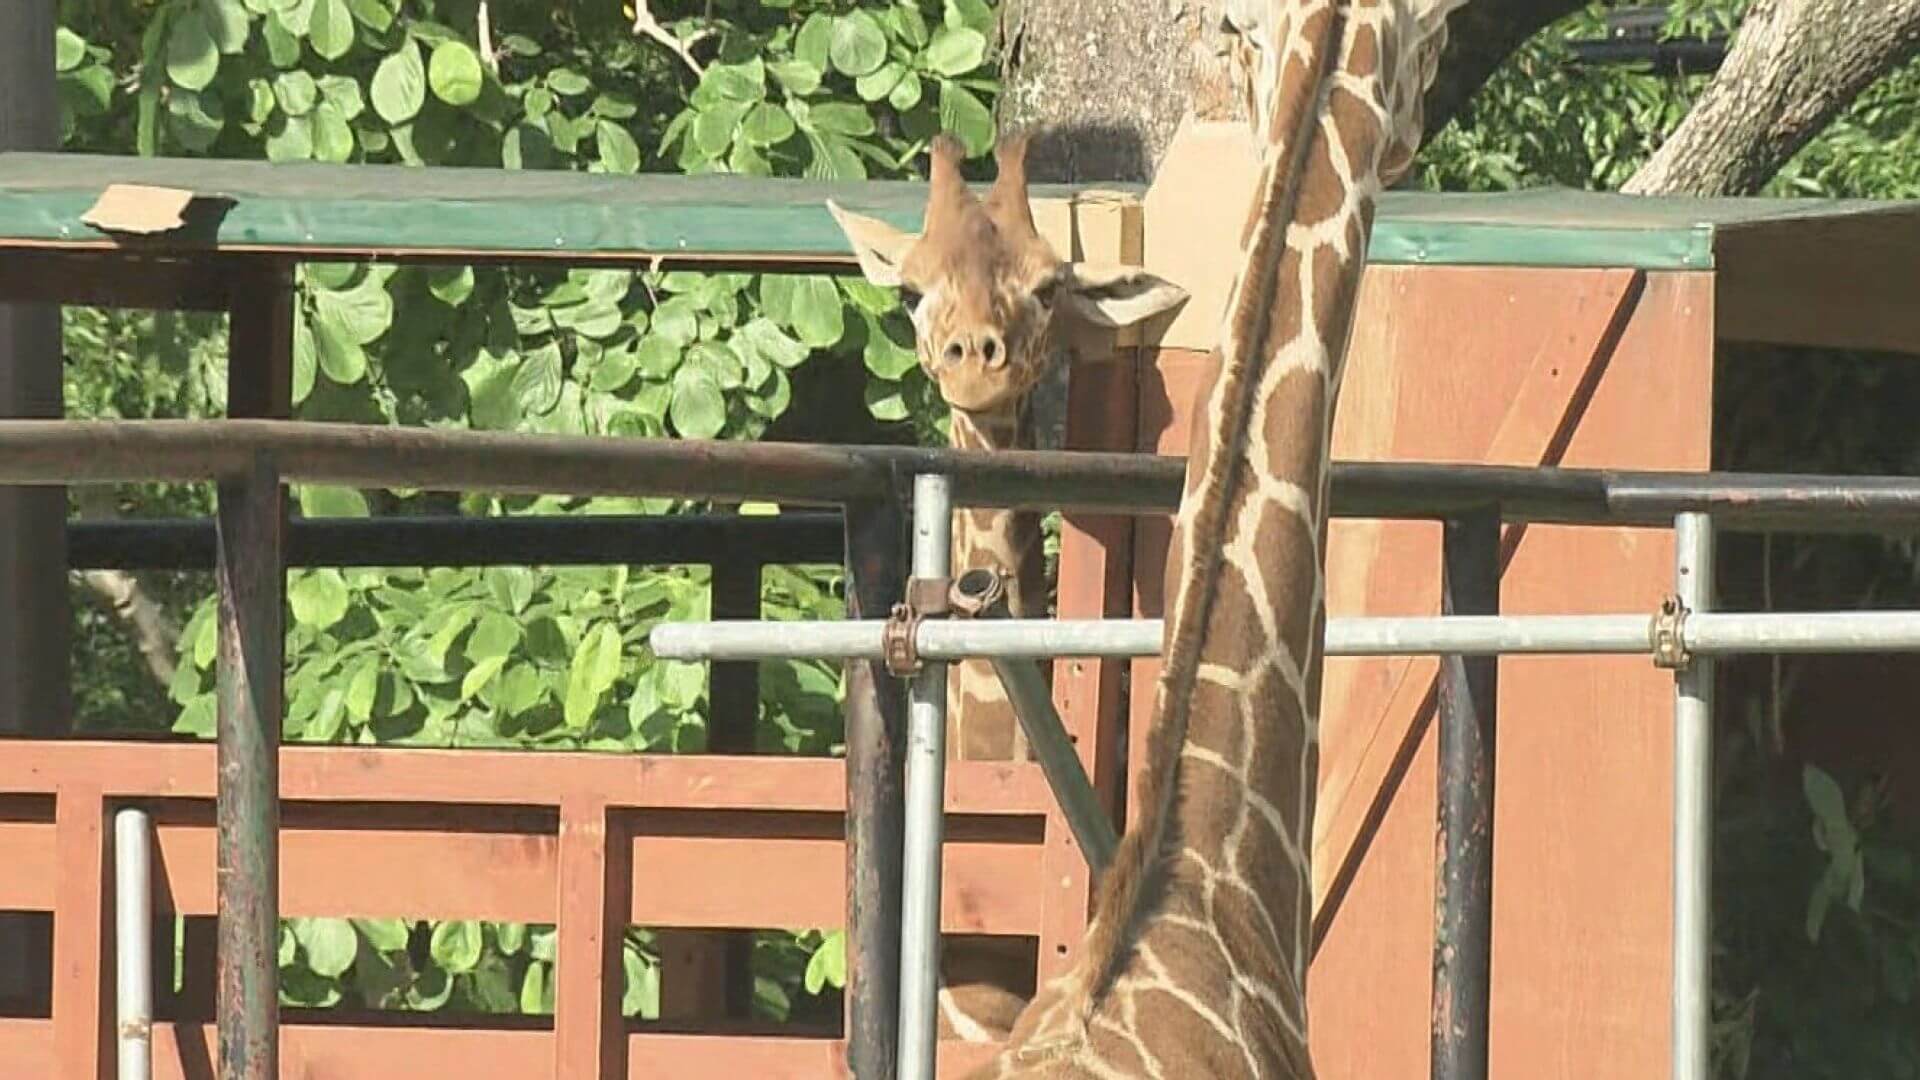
point(954, 351)
point(991, 352)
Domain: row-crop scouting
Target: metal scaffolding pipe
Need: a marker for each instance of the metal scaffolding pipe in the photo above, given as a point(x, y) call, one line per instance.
point(1693, 806)
point(1707, 634)
point(133, 943)
point(926, 800)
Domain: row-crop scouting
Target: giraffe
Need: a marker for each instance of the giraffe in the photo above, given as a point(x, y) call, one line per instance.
point(984, 289)
point(1195, 960)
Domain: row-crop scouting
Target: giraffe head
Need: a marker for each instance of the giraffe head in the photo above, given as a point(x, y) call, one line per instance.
point(984, 288)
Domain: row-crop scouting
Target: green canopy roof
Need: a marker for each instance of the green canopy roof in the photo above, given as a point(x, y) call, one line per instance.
point(315, 209)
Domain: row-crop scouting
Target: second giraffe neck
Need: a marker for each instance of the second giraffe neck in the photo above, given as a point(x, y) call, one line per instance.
point(1009, 539)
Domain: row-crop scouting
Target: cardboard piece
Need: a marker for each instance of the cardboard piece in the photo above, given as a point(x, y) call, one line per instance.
point(1194, 213)
point(139, 210)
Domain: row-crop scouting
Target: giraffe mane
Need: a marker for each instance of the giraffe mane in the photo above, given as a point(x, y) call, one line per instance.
point(1128, 889)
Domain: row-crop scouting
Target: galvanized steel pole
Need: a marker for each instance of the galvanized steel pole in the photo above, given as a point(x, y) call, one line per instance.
point(1693, 814)
point(252, 640)
point(926, 797)
point(133, 943)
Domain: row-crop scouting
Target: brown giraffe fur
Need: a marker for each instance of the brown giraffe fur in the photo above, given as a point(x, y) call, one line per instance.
point(1195, 963)
point(983, 288)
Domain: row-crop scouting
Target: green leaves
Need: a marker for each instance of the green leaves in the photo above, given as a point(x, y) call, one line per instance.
point(456, 945)
point(318, 598)
point(956, 51)
point(594, 669)
point(699, 409)
point(192, 58)
point(857, 46)
point(330, 29)
point(400, 85)
point(329, 944)
point(454, 73)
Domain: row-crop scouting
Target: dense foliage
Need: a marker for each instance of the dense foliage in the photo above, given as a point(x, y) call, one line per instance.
point(1819, 945)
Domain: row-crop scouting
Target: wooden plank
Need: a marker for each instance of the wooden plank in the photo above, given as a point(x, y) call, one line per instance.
point(27, 850)
point(590, 976)
point(185, 1051)
point(420, 874)
point(501, 778)
point(80, 936)
point(713, 882)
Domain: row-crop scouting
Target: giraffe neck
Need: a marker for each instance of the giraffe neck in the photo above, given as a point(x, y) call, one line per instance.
point(1229, 794)
point(980, 720)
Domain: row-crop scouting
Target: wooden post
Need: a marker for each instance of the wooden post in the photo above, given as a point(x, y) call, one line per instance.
point(34, 616)
point(596, 880)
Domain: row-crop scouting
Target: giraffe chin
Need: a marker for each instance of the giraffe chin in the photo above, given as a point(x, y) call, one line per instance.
point(973, 394)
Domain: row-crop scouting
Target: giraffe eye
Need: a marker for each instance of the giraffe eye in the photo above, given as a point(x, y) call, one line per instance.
point(910, 297)
point(1043, 293)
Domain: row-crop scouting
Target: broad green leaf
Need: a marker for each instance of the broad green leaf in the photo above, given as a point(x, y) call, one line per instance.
point(332, 137)
point(192, 58)
point(290, 138)
point(618, 152)
point(880, 83)
point(955, 52)
point(797, 76)
point(69, 49)
point(195, 119)
point(318, 598)
point(511, 586)
point(858, 45)
point(969, 13)
point(341, 357)
point(833, 159)
point(296, 92)
point(885, 403)
point(306, 361)
point(592, 673)
point(677, 320)
point(362, 688)
point(331, 31)
point(642, 991)
point(480, 675)
point(907, 94)
point(964, 115)
point(321, 500)
point(456, 945)
point(745, 82)
point(885, 357)
point(330, 945)
point(385, 935)
point(289, 946)
point(913, 25)
point(817, 314)
point(766, 125)
point(283, 47)
point(512, 937)
point(699, 410)
point(519, 689)
point(329, 718)
point(377, 14)
point(538, 382)
point(494, 635)
point(828, 964)
point(360, 314)
point(841, 119)
point(568, 82)
point(658, 355)
point(227, 24)
point(400, 85)
point(813, 45)
point(343, 93)
point(766, 338)
point(714, 128)
point(533, 989)
point(295, 15)
point(615, 370)
point(454, 73)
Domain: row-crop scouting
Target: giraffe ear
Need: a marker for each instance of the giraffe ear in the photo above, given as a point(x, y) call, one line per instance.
point(880, 247)
point(1113, 296)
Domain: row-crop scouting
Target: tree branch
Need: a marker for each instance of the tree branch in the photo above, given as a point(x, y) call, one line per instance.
point(1794, 66)
point(1480, 37)
point(153, 632)
point(646, 25)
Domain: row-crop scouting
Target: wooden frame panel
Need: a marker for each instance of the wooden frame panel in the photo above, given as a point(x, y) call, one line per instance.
point(1521, 367)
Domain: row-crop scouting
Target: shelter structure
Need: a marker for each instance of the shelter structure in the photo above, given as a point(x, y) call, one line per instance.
point(1539, 328)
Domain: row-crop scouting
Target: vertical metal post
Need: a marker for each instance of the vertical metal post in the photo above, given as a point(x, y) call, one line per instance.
point(876, 807)
point(926, 800)
point(252, 578)
point(1693, 813)
point(1463, 887)
point(34, 614)
point(133, 942)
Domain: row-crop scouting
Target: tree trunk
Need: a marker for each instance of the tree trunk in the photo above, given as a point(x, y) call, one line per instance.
point(1794, 65)
point(1109, 100)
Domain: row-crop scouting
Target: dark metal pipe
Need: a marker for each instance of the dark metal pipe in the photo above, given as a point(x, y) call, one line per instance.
point(876, 719)
point(1463, 887)
point(808, 536)
point(113, 451)
point(252, 582)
